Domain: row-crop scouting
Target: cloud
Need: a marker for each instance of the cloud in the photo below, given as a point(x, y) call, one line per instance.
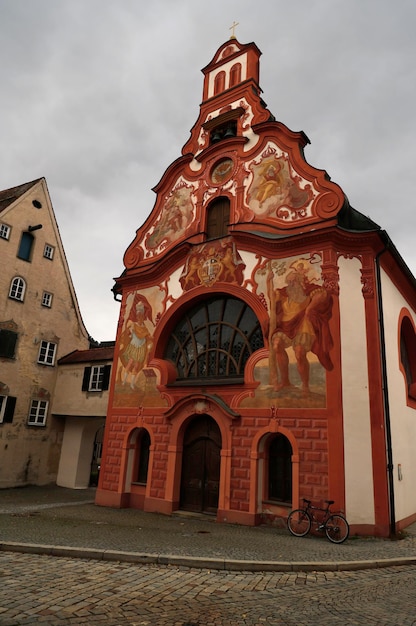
point(99, 97)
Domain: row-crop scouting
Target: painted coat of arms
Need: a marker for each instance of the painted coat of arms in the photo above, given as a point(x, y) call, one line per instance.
point(211, 263)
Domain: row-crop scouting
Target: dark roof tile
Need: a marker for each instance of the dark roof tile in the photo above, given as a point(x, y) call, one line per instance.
point(8, 196)
point(88, 356)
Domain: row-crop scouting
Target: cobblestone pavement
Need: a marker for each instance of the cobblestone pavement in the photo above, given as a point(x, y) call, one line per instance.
point(53, 516)
point(267, 576)
point(58, 591)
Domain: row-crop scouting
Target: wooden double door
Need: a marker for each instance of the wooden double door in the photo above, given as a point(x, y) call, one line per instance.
point(200, 479)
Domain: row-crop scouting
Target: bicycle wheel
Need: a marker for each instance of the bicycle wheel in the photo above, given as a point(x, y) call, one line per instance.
point(299, 522)
point(336, 528)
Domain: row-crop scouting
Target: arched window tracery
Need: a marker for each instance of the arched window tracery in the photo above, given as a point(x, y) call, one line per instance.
point(213, 341)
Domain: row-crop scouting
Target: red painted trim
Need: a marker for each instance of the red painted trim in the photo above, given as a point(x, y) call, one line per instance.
point(378, 435)
point(410, 392)
point(336, 461)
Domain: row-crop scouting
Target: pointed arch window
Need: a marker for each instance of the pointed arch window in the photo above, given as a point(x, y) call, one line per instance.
point(17, 289)
point(218, 218)
point(213, 341)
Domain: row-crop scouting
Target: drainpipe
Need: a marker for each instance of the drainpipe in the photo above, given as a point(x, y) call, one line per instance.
point(385, 390)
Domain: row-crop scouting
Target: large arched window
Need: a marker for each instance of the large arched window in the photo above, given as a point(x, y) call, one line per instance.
point(280, 470)
point(213, 340)
point(218, 218)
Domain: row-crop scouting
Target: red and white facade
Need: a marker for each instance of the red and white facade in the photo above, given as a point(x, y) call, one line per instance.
point(266, 344)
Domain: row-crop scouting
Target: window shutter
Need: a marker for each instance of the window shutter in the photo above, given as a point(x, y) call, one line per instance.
point(9, 411)
point(106, 377)
point(86, 379)
point(218, 218)
point(8, 339)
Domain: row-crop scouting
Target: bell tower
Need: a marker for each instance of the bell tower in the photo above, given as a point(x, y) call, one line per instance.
point(232, 65)
point(231, 97)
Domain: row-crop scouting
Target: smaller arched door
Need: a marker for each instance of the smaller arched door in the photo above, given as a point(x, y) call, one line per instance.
point(200, 479)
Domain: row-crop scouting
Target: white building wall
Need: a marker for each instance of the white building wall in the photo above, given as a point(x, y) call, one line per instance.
point(355, 396)
point(226, 67)
point(402, 417)
point(68, 393)
point(77, 451)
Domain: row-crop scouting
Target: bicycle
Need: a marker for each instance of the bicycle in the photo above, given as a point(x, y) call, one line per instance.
point(334, 525)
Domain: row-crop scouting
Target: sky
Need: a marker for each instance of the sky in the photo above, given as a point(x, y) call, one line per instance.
point(99, 96)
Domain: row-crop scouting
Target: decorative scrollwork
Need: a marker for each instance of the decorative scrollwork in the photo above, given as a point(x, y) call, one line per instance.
point(367, 280)
point(133, 256)
point(328, 204)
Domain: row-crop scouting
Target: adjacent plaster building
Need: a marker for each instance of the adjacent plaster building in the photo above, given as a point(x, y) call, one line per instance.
point(80, 400)
point(266, 342)
point(40, 322)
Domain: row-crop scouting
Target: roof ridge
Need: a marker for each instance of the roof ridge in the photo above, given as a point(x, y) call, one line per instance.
point(10, 195)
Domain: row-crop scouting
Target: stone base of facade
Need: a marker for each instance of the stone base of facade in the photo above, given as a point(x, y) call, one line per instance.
point(112, 499)
point(238, 517)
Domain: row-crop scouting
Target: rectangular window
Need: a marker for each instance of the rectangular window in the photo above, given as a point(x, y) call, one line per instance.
point(47, 299)
point(38, 412)
point(8, 340)
point(48, 251)
point(26, 246)
point(7, 404)
point(96, 378)
point(47, 353)
point(4, 231)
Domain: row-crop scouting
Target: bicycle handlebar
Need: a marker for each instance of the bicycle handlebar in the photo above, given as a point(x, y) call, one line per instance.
point(309, 502)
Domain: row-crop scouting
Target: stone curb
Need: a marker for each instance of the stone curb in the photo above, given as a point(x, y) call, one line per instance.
point(203, 562)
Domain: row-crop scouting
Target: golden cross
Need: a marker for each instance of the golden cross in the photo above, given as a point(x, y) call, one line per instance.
point(232, 27)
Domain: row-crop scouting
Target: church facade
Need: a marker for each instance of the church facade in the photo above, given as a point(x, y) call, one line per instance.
point(266, 346)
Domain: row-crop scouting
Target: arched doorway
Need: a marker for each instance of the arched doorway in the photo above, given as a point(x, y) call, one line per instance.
point(96, 457)
point(280, 470)
point(201, 466)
